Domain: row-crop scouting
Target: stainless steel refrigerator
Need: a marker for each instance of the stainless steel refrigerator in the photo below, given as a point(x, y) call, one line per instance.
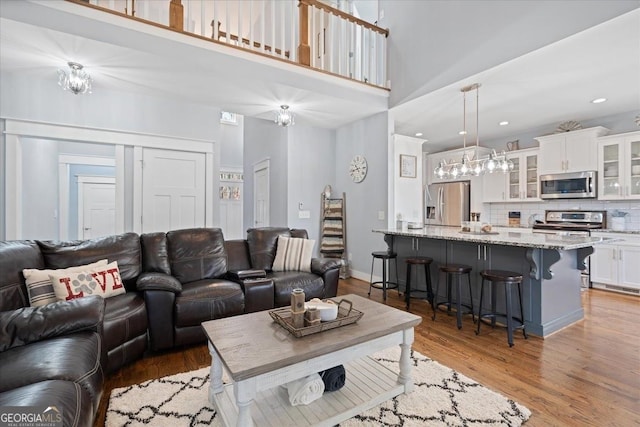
point(447, 203)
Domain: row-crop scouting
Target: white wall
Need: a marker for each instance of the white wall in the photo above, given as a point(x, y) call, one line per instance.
point(368, 137)
point(459, 38)
point(264, 140)
point(311, 166)
point(407, 191)
point(40, 190)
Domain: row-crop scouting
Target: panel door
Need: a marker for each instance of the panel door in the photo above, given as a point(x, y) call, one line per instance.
point(173, 190)
point(96, 209)
point(261, 198)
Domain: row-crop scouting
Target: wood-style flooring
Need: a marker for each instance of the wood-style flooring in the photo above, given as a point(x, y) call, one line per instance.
point(587, 374)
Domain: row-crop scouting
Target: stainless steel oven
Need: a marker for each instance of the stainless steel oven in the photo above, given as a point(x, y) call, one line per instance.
point(573, 223)
point(579, 185)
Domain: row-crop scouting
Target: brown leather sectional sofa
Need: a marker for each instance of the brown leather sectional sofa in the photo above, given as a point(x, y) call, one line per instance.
point(58, 354)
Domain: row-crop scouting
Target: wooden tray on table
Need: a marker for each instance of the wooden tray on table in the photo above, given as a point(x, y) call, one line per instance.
point(346, 316)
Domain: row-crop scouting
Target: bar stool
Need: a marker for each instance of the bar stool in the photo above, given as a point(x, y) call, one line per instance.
point(457, 271)
point(508, 279)
point(427, 272)
point(385, 256)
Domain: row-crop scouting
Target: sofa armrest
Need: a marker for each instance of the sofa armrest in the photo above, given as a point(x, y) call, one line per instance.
point(158, 282)
point(240, 275)
point(258, 294)
point(32, 324)
point(320, 266)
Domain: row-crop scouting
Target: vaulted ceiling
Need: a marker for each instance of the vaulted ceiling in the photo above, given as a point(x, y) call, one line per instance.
point(551, 85)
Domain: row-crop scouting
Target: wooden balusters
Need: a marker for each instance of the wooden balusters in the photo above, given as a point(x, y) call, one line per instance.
point(176, 15)
point(304, 50)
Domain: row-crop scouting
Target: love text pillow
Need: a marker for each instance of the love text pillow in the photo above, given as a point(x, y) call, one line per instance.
point(39, 285)
point(102, 281)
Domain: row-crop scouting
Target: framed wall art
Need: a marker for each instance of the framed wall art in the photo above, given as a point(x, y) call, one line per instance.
point(408, 166)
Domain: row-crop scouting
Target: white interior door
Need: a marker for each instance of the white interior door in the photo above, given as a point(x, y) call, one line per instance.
point(96, 207)
point(173, 190)
point(261, 201)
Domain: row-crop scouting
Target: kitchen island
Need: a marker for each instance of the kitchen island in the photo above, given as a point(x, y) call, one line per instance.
point(551, 266)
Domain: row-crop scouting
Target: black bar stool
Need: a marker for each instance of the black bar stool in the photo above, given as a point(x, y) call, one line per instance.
point(457, 271)
point(508, 279)
point(385, 256)
point(427, 272)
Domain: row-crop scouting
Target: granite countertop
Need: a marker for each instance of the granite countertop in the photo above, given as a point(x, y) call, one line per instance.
point(503, 237)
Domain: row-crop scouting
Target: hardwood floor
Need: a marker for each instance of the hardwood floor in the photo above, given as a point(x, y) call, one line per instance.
point(587, 374)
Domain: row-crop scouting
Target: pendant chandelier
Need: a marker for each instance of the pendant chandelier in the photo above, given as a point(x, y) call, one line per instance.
point(472, 166)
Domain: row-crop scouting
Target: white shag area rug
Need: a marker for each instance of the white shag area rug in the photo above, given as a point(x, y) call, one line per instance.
point(442, 397)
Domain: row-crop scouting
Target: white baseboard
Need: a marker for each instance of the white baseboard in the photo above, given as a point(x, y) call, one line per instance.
point(364, 276)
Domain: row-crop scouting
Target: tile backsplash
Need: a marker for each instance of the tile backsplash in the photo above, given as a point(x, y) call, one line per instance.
point(498, 212)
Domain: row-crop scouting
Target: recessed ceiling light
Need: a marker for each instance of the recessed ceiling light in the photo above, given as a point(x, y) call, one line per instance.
point(462, 132)
point(598, 100)
point(503, 123)
point(418, 133)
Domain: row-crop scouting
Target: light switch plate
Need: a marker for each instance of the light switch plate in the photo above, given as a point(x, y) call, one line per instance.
point(381, 215)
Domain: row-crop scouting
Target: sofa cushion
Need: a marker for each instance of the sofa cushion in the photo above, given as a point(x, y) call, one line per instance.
point(207, 300)
point(293, 254)
point(263, 244)
point(69, 398)
point(125, 329)
point(124, 248)
point(103, 281)
point(155, 255)
point(40, 286)
point(287, 281)
point(14, 257)
point(196, 254)
point(75, 357)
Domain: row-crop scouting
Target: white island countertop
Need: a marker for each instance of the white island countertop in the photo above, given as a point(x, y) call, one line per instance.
point(503, 237)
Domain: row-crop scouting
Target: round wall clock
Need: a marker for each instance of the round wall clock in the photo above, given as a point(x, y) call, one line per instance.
point(358, 168)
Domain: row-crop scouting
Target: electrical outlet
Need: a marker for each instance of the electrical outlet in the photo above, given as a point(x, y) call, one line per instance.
point(304, 214)
point(350, 256)
point(381, 215)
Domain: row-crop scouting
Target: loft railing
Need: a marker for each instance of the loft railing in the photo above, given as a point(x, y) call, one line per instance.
point(306, 32)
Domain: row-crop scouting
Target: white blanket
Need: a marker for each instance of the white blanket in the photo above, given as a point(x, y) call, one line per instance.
point(305, 390)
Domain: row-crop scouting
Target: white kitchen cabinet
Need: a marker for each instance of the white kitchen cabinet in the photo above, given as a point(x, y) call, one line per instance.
point(522, 181)
point(575, 151)
point(520, 184)
point(619, 166)
point(614, 266)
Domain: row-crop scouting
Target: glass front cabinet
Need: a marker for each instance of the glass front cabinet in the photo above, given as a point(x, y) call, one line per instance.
point(522, 181)
point(619, 167)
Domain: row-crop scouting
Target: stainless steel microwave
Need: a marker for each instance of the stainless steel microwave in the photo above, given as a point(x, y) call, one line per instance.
point(578, 185)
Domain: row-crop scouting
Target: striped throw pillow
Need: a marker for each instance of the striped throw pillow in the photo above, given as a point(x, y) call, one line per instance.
point(39, 285)
point(293, 254)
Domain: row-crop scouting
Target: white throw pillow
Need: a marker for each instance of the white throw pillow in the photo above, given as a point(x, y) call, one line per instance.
point(39, 285)
point(293, 254)
point(103, 281)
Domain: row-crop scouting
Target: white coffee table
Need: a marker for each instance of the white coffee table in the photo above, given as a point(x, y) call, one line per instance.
point(259, 356)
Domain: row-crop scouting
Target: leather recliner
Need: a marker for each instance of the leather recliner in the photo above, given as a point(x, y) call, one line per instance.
point(53, 356)
point(184, 284)
point(258, 251)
